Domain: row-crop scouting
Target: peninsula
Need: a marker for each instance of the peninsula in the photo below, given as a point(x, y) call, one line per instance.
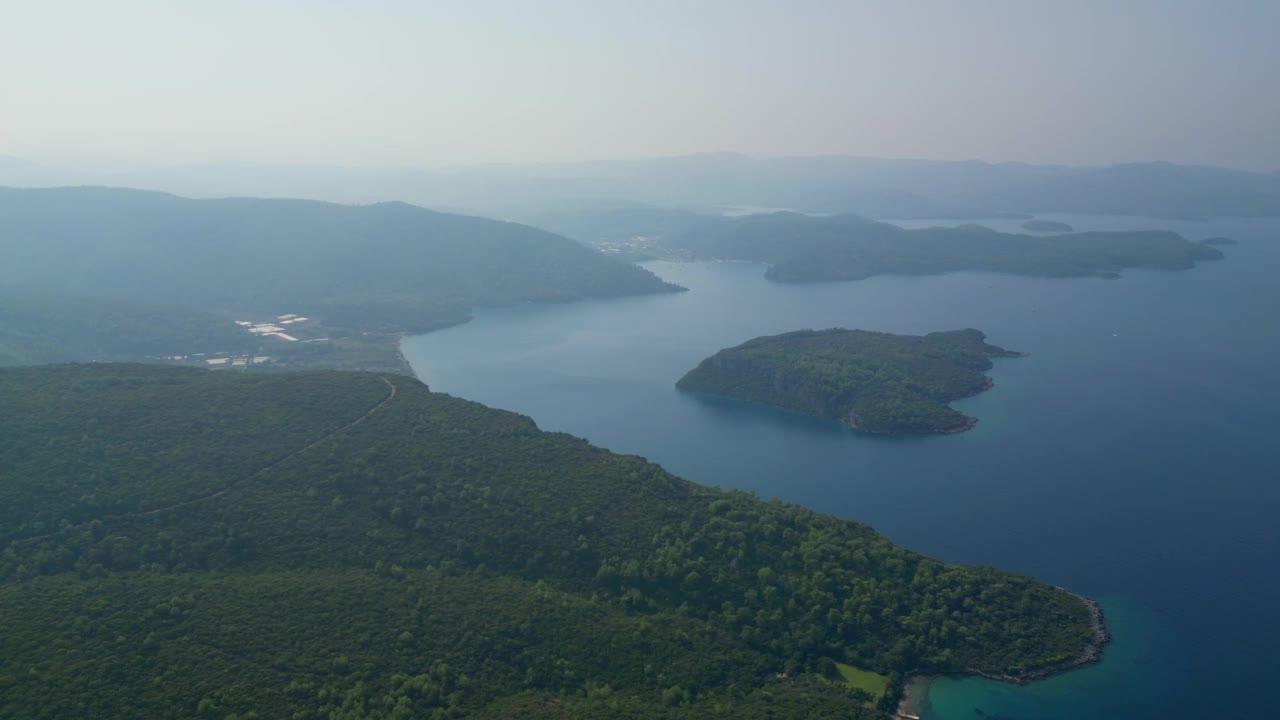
point(871, 381)
point(336, 544)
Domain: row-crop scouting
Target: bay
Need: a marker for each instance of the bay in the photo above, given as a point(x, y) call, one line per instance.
point(1132, 457)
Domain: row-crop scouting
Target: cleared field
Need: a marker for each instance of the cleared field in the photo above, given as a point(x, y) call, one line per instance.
point(873, 683)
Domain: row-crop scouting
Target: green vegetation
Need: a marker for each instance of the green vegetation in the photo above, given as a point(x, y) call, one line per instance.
point(801, 248)
point(43, 326)
point(47, 326)
point(184, 543)
point(385, 268)
point(378, 352)
point(871, 381)
point(873, 684)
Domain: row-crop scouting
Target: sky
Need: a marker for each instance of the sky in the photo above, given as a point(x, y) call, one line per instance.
point(405, 82)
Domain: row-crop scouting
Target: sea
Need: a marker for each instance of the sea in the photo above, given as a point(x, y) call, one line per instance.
point(1132, 457)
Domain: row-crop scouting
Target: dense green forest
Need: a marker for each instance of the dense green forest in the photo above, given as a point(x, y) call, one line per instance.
point(184, 543)
point(872, 381)
point(383, 268)
point(42, 326)
point(802, 248)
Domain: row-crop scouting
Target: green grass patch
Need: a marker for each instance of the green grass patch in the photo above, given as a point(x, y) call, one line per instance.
point(873, 683)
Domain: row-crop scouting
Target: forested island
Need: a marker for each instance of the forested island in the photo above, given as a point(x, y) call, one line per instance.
point(803, 248)
point(871, 381)
point(184, 543)
point(1047, 226)
point(809, 248)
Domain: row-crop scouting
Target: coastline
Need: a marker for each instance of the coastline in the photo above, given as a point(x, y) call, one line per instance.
point(966, 425)
point(928, 411)
point(915, 691)
point(400, 358)
point(1092, 652)
point(969, 421)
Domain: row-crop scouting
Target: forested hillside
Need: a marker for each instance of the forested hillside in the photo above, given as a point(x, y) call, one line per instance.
point(872, 381)
point(43, 326)
point(388, 267)
point(183, 543)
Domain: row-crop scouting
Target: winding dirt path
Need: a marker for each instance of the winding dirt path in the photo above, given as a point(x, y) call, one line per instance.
point(390, 396)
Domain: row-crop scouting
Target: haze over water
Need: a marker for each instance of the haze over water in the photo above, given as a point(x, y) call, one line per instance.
point(1129, 458)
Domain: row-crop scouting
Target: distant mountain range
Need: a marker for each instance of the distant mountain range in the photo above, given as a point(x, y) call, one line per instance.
point(881, 188)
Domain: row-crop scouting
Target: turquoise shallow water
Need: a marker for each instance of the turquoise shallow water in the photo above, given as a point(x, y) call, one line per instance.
point(1130, 458)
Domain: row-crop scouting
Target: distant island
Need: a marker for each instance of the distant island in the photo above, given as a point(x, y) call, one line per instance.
point(871, 381)
point(1219, 241)
point(803, 248)
point(1047, 226)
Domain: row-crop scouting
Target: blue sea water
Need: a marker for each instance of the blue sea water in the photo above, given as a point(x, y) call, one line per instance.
point(1131, 458)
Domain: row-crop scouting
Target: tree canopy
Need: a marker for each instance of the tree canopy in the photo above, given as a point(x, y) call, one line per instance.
point(878, 382)
point(179, 543)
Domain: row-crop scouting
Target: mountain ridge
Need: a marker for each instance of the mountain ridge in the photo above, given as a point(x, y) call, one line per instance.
point(880, 187)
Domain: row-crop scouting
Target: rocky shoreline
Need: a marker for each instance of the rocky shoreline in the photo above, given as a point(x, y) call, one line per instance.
point(965, 426)
point(1092, 653)
point(969, 422)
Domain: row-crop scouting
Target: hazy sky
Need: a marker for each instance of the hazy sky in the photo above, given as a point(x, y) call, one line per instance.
point(406, 82)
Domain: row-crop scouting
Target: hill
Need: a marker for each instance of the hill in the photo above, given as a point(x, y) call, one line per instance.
point(38, 325)
point(184, 543)
point(803, 248)
point(1047, 226)
point(871, 381)
point(386, 268)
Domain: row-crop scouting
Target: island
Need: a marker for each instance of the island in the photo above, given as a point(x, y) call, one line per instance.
point(178, 542)
point(1047, 226)
point(804, 248)
point(871, 381)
